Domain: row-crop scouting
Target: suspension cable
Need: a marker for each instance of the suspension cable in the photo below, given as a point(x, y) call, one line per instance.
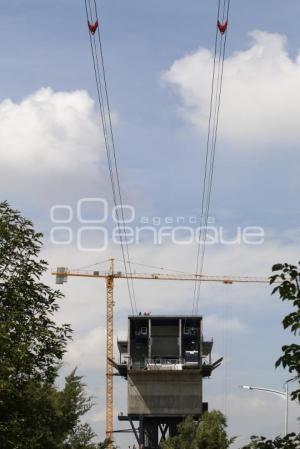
point(114, 153)
point(213, 123)
point(206, 157)
point(109, 142)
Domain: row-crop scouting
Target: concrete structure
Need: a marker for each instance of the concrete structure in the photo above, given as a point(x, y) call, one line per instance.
point(164, 361)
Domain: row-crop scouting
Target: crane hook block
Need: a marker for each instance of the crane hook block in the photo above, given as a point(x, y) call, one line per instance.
point(93, 27)
point(222, 26)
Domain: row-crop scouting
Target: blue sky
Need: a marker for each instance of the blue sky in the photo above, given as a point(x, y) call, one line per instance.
point(47, 45)
point(160, 146)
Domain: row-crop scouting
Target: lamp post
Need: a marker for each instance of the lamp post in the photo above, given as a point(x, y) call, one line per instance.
point(284, 394)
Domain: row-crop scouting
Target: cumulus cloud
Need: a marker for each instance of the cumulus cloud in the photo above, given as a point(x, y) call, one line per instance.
point(49, 131)
point(260, 97)
point(51, 149)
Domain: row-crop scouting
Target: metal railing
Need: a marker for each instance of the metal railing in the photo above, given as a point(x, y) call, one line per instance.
point(158, 364)
point(164, 363)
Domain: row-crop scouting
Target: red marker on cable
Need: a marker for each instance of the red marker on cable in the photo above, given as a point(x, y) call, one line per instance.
point(93, 27)
point(222, 26)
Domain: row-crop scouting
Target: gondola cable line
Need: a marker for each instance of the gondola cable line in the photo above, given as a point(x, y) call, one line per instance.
point(109, 141)
point(213, 124)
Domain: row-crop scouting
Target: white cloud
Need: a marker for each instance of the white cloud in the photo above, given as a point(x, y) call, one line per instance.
point(49, 132)
point(51, 150)
point(260, 97)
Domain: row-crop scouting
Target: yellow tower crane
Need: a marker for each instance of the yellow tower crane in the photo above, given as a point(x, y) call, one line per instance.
point(63, 273)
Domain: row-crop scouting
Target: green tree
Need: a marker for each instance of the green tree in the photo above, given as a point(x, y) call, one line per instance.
point(291, 441)
point(210, 433)
point(82, 438)
point(34, 414)
point(185, 439)
point(31, 343)
point(288, 277)
point(47, 417)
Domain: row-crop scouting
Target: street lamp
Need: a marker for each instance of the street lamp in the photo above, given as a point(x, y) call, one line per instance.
point(284, 394)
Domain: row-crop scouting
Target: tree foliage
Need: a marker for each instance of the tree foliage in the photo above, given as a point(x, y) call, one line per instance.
point(210, 433)
point(291, 441)
point(45, 417)
point(34, 413)
point(185, 439)
point(287, 278)
point(82, 438)
point(288, 288)
point(31, 343)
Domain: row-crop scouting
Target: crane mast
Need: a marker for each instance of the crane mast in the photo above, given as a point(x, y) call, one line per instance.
point(109, 350)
